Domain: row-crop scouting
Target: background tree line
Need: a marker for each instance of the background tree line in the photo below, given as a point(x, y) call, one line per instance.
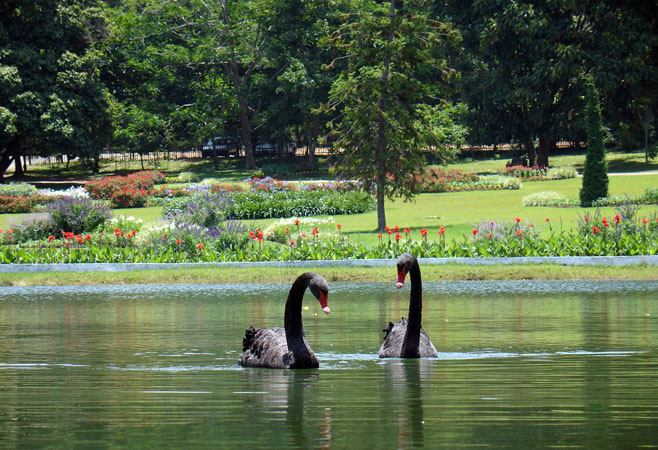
point(389, 78)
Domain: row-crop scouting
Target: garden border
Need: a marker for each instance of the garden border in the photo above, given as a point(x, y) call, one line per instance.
point(649, 260)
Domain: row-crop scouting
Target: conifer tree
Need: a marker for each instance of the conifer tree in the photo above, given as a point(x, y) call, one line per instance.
point(595, 172)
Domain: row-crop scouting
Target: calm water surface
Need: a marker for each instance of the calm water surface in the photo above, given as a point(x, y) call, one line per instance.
point(521, 365)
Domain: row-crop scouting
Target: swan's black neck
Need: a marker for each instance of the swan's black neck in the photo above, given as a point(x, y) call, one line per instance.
point(293, 320)
point(410, 345)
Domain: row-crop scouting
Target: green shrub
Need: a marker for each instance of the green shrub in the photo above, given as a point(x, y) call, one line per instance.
point(35, 227)
point(17, 189)
point(78, 215)
point(267, 204)
point(561, 173)
point(548, 198)
point(10, 204)
point(188, 177)
point(651, 195)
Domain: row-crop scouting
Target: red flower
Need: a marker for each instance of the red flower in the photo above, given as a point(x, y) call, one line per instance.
point(595, 230)
point(397, 236)
point(489, 235)
point(292, 242)
point(51, 238)
point(396, 229)
point(586, 218)
point(200, 246)
point(442, 230)
point(547, 220)
point(519, 233)
point(296, 221)
point(339, 226)
point(287, 231)
point(645, 221)
point(178, 241)
point(423, 232)
point(87, 237)
point(517, 220)
point(379, 235)
point(617, 219)
point(475, 231)
point(164, 236)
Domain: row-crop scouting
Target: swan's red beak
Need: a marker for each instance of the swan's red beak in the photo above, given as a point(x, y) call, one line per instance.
point(402, 273)
point(323, 303)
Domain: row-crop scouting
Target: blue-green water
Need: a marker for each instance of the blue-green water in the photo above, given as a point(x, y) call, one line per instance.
point(521, 365)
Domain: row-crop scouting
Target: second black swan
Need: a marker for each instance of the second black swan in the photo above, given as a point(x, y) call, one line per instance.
point(406, 338)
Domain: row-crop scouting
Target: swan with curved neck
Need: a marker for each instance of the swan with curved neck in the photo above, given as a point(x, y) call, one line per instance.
point(406, 338)
point(286, 347)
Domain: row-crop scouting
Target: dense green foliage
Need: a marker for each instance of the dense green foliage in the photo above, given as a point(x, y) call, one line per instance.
point(51, 97)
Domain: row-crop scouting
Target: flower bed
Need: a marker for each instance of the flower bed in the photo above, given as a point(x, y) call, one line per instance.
point(437, 180)
point(125, 191)
point(621, 234)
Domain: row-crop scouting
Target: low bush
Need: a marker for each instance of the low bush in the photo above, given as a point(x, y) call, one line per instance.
point(270, 204)
point(548, 198)
point(125, 191)
point(188, 177)
point(206, 209)
point(78, 215)
point(561, 173)
point(11, 204)
point(651, 196)
point(537, 173)
point(17, 190)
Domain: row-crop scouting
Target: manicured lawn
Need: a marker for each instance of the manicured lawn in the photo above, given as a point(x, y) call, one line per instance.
point(459, 212)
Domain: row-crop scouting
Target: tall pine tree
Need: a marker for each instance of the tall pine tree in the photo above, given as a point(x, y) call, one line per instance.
point(595, 173)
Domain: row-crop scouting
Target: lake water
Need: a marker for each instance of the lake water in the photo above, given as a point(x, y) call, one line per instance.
point(521, 364)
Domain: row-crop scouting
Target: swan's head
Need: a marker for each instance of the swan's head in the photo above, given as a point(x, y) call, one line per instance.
point(405, 261)
point(318, 286)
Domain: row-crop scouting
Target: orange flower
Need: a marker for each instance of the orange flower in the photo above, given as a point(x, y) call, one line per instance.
point(200, 246)
point(517, 220)
point(51, 238)
point(442, 230)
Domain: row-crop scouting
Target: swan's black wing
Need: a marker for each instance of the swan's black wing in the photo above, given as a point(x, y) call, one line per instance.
point(265, 347)
point(394, 337)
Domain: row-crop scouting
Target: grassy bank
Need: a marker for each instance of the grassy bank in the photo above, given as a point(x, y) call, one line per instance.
point(454, 272)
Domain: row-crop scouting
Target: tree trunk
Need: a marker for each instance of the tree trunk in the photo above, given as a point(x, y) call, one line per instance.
point(532, 153)
point(232, 69)
point(380, 148)
point(381, 210)
point(18, 172)
point(245, 123)
point(544, 150)
point(646, 134)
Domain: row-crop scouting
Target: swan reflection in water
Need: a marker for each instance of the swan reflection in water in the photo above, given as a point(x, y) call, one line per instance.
point(283, 396)
point(404, 382)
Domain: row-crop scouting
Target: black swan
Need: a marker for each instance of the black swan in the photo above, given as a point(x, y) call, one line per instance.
point(406, 338)
point(286, 347)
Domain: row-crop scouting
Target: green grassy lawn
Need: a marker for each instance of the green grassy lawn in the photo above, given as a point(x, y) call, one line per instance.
point(281, 274)
point(458, 211)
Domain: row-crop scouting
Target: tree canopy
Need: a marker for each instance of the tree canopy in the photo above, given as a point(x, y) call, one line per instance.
point(78, 76)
